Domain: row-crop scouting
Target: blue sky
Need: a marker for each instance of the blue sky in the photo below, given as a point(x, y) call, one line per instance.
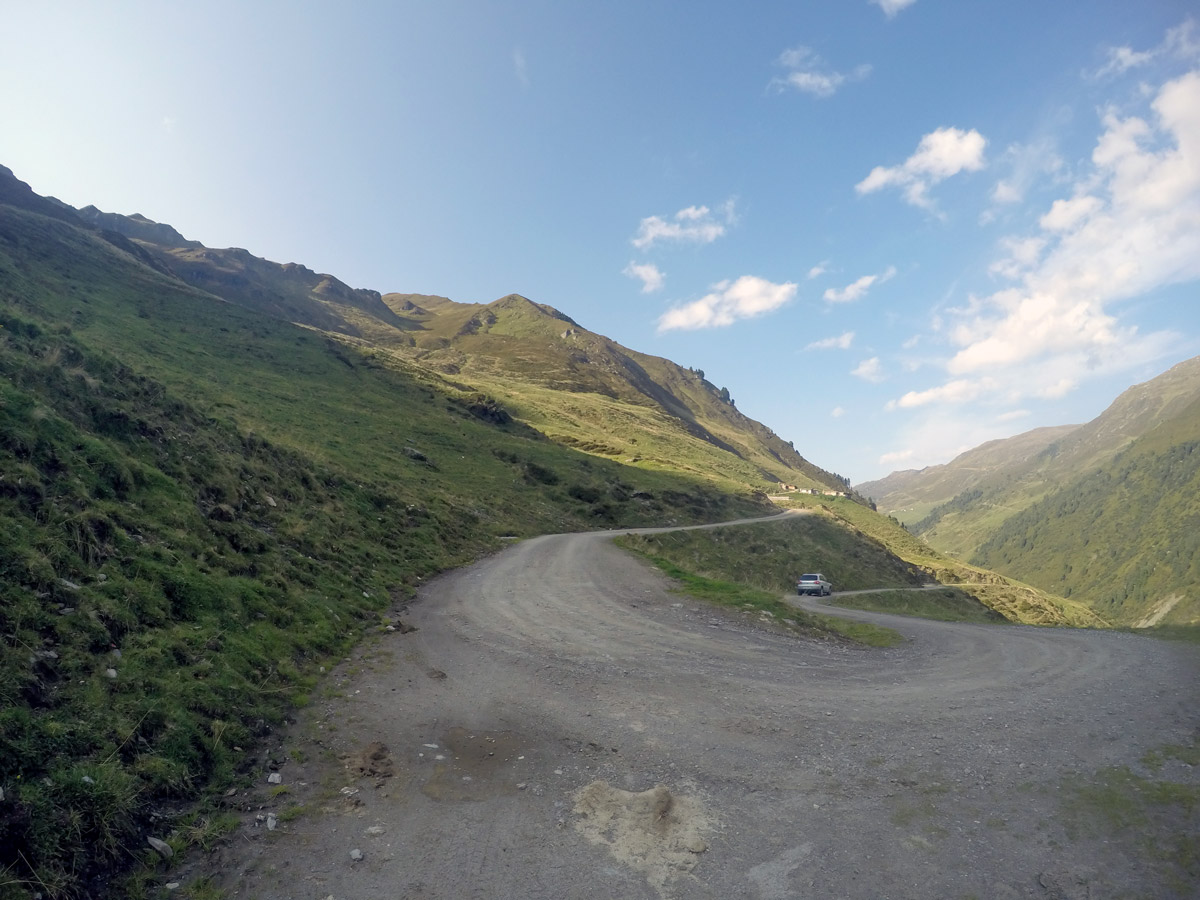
point(893, 229)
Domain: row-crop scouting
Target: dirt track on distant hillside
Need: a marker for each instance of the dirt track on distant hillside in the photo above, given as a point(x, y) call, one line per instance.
point(561, 725)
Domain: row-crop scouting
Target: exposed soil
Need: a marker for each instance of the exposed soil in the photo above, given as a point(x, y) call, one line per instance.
point(561, 725)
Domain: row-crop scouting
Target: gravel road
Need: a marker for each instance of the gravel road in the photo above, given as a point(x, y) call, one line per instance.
point(561, 725)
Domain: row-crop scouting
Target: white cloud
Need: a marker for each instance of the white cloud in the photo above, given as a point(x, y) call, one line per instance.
point(859, 288)
point(837, 412)
point(1131, 227)
point(818, 270)
point(808, 72)
point(520, 67)
point(649, 274)
point(1026, 164)
point(1013, 415)
point(1180, 42)
point(1122, 59)
point(841, 342)
point(1066, 214)
point(955, 392)
point(869, 370)
point(890, 459)
point(941, 154)
point(691, 225)
point(729, 301)
point(1023, 254)
point(892, 7)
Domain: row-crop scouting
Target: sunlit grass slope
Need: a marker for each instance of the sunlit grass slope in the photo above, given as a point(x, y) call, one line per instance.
point(198, 507)
point(1015, 601)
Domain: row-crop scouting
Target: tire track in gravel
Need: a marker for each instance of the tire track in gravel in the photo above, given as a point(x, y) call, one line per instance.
point(790, 768)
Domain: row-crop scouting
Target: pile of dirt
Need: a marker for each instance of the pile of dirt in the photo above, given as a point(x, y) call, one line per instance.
point(374, 760)
point(655, 832)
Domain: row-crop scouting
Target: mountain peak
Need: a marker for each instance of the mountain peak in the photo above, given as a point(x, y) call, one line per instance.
point(520, 303)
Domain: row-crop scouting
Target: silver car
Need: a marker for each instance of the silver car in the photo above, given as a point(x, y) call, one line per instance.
point(814, 584)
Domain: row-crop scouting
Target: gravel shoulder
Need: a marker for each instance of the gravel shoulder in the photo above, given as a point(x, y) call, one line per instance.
point(561, 725)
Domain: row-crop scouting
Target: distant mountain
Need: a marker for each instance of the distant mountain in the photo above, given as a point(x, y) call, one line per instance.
point(1080, 511)
point(910, 494)
point(1123, 536)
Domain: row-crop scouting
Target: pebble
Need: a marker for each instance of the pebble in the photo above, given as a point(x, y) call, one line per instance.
point(356, 855)
point(274, 778)
point(110, 673)
point(271, 821)
point(161, 847)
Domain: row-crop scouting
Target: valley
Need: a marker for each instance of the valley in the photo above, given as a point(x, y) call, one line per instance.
point(258, 521)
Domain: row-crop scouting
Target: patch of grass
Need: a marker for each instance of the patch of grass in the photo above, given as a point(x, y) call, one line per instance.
point(1189, 634)
point(1015, 601)
point(860, 632)
point(293, 811)
point(751, 599)
point(773, 555)
point(1189, 755)
point(944, 604)
point(204, 830)
point(1160, 818)
point(202, 889)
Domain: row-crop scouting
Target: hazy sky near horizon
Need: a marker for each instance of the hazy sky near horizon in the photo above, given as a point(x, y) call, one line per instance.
point(894, 229)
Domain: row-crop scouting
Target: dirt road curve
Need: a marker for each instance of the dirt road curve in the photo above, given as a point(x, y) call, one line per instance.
point(562, 726)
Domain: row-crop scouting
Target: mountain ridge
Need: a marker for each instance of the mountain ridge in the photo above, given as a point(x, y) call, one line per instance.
point(495, 342)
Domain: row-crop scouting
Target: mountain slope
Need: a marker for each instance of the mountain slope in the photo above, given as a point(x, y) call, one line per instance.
point(911, 493)
point(1103, 513)
point(587, 391)
point(199, 507)
point(1124, 537)
point(957, 520)
point(580, 388)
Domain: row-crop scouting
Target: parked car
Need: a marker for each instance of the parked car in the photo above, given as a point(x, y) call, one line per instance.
point(814, 584)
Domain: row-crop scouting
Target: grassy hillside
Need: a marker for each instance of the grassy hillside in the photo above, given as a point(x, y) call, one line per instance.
point(1103, 514)
point(911, 494)
point(536, 360)
point(1015, 601)
point(1125, 538)
point(772, 556)
point(959, 506)
point(200, 506)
